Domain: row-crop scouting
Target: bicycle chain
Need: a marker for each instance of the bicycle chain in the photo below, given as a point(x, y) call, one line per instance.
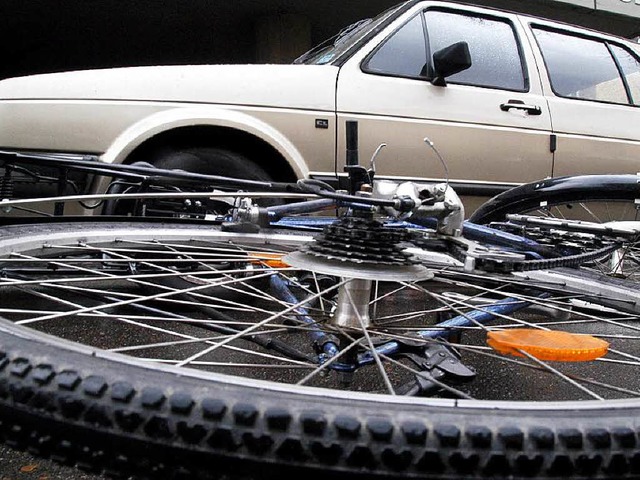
point(506, 266)
point(368, 241)
point(553, 238)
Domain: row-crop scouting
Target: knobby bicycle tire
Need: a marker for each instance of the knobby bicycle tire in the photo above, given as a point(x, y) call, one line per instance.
point(106, 411)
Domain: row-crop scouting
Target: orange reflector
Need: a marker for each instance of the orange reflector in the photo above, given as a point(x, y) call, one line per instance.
point(548, 345)
point(273, 260)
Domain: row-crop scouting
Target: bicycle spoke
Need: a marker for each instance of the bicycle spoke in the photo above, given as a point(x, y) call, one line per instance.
point(257, 325)
point(213, 306)
point(557, 372)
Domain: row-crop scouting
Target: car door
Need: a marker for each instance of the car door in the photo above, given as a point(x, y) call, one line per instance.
point(593, 86)
point(490, 123)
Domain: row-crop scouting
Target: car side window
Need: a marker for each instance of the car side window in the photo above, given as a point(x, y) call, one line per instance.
point(493, 45)
point(495, 55)
point(581, 68)
point(630, 66)
point(403, 54)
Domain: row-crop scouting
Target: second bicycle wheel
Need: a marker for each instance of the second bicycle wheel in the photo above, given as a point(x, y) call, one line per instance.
point(160, 349)
point(606, 200)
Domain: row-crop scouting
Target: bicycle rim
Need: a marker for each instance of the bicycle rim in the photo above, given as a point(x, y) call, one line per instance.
point(182, 340)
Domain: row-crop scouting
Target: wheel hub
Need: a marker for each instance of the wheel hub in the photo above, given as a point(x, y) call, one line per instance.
point(355, 248)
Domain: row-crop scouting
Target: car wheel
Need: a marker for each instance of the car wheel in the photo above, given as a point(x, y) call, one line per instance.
point(203, 160)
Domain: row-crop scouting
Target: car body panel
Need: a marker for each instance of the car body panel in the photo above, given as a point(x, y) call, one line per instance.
point(592, 137)
point(170, 119)
point(309, 87)
point(476, 138)
point(84, 126)
point(103, 120)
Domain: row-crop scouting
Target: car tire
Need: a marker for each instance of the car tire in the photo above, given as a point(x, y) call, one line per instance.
point(210, 161)
point(202, 160)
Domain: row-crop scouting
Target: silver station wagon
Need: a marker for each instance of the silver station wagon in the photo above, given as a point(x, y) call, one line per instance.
point(505, 99)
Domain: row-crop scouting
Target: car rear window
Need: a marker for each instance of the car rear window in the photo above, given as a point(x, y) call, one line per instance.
point(630, 66)
point(588, 68)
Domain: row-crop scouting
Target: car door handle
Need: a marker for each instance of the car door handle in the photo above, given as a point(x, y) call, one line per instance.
point(520, 105)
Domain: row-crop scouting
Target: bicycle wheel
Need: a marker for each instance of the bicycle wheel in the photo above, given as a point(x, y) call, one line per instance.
point(609, 200)
point(167, 350)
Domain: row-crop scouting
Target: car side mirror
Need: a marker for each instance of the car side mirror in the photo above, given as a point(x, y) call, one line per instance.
point(449, 61)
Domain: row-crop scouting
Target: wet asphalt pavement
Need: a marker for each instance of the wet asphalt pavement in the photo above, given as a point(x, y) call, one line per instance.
point(19, 465)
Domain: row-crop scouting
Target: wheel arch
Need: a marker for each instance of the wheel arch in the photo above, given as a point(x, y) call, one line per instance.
point(215, 127)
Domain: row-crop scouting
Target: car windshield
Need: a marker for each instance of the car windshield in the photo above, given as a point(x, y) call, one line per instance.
point(335, 46)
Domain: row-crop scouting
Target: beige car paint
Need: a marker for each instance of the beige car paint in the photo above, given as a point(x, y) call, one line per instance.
point(309, 87)
point(86, 126)
point(478, 140)
point(99, 114)
point(593, 137)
